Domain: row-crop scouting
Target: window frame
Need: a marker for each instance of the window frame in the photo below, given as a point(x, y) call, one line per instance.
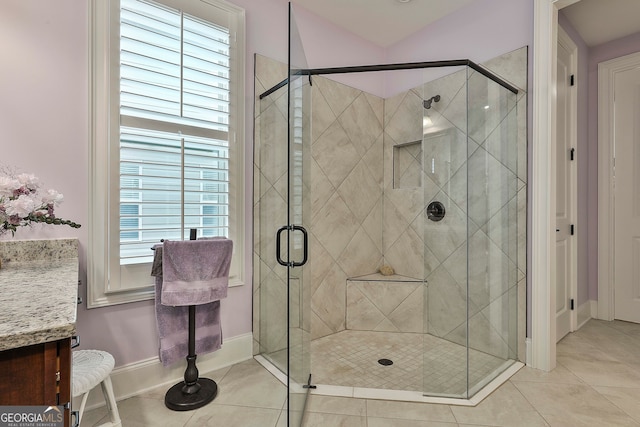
point(105, 275)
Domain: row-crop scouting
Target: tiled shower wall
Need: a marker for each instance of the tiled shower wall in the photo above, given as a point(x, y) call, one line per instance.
point(346, 204)
point(348, 178)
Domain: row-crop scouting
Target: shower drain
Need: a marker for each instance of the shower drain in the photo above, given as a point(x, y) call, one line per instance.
point(385, 362)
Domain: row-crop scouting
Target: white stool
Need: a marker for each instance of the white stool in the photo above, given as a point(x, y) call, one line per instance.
point(90, 368)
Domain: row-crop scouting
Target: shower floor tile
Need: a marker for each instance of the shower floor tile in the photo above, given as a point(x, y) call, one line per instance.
point(421, 362)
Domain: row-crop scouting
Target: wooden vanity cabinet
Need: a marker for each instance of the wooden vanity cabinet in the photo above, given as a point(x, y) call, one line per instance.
point(38, 374)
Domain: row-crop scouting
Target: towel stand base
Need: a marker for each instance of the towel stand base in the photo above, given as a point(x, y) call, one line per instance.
point(193, 392)
point(178, 400)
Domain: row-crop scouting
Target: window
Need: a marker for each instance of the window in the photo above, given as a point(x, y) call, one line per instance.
point(167, 123)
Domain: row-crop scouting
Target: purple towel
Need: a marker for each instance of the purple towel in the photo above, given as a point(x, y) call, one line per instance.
point(173, 329)
point(173, 324)
point(195, 271)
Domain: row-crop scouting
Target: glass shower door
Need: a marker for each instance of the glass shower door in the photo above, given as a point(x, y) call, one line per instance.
point(299, 296)
point(493, 273)
point(446, 149)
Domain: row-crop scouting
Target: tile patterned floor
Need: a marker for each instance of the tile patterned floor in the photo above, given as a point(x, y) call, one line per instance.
point(420, 362)
point(596, 383)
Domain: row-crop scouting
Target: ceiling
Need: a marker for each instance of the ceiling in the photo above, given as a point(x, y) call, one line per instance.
point(601, 21)
point(383, 22)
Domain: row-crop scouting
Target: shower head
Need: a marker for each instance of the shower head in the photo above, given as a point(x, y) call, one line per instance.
point(427, 102)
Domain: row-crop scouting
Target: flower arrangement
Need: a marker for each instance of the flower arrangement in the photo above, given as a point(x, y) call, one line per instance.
point(23, 202)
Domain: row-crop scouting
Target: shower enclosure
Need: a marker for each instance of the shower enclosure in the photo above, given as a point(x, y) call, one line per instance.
point(387, 250)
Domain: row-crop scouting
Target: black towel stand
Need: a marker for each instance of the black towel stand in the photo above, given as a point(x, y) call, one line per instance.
point(193, 392)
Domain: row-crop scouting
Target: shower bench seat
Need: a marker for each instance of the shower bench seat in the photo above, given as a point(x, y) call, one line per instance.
point(385, 303)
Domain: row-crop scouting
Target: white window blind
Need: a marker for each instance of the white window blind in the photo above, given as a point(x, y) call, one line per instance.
point(174, 74)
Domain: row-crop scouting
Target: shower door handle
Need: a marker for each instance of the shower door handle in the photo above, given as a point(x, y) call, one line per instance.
point(278, 234)
point(305, 245)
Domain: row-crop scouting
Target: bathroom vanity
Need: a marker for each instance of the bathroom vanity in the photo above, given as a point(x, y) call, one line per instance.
point(38, 305)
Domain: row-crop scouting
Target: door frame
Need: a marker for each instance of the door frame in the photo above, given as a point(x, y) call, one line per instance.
point(607, 71)
point(564, 39)
point(543, 192)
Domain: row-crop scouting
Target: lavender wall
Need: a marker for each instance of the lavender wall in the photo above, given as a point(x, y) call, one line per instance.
point(43, 108)
point(587, 218)
point(480, 31)
point(320, 39)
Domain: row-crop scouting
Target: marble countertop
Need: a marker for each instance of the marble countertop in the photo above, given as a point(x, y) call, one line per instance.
point(38, 301)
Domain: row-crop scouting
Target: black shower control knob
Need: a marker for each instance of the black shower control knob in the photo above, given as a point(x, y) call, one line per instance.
point(435, 211)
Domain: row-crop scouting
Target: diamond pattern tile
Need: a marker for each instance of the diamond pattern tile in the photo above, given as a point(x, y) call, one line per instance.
point(383, 305)
point(361, 124)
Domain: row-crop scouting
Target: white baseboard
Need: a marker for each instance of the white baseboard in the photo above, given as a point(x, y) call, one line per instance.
point(139, 377)
point(586, 312)
point(594, 309)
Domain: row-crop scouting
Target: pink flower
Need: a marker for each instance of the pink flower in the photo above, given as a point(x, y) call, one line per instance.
point(52, 197)
point(28, 180)
point(22, 206)
point(7, 185)
point(22, 190)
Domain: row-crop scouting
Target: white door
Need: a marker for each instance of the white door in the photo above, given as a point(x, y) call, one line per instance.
point(565, 188)
point(627, 195)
